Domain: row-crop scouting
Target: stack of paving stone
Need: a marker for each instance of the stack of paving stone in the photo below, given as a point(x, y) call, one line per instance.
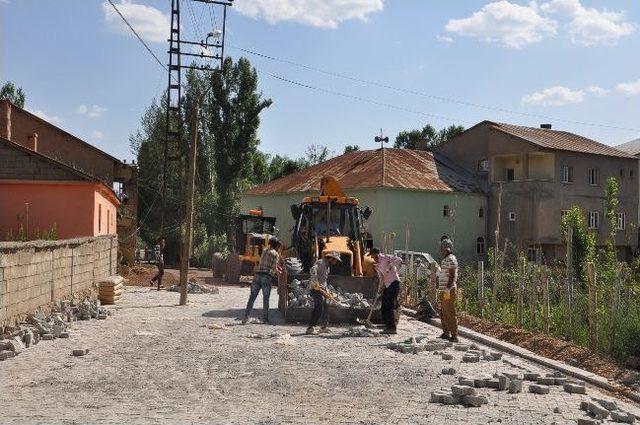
point(600, 409)
point(41, 327)
point(415, 345)
point(111, 289)
point(459, 394)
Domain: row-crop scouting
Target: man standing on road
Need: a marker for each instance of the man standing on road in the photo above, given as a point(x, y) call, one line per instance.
point(447, 275)
point(386, 267)
point(158, 252)
point(265, 276)
point(318, 276)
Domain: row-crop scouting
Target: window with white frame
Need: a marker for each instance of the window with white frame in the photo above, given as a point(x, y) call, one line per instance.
point(622, 221)
point(594, 219)
point(512, 216)
point(445, 211)
point(480, 247)
point(566, 174)
point(483, 165)
point(481, 212)
point(594, 176)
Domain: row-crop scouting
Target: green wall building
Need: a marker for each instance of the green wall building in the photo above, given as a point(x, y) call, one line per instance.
point(406, 189)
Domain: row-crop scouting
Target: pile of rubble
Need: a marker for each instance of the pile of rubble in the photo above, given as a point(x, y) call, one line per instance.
point(300, 297)
point(599, 409)
point(361, 332)
point(194, 287)
point(41, 327)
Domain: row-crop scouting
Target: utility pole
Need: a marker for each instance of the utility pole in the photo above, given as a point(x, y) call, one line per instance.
point(173, 133)
point(186, 245)
point(381, 139)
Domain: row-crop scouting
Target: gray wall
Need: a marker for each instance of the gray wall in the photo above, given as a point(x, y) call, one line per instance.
point(36, 273)
point(17, 164)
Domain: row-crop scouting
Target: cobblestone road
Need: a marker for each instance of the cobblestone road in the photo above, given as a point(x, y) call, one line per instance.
point(154, 362)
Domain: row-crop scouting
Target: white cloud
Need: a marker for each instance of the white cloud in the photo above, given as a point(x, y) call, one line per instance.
point(149, 22)
point(444, 39)
point(97, 135)
point(589, 26)
point(94, 111)
point(49, 118)
point(597, 91)
point(555, 96)
point(317, 13)
point(507, 23)
point(631, 88)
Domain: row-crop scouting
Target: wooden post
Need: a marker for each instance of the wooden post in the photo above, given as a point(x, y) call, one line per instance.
point(569, 330)
point(522, 270)
point(592, 305)
point(186, 245)
point(545, 306)
point(615, 305)
point(481, 287)
point(533, 302)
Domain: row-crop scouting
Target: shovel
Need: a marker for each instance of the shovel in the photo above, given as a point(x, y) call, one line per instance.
point(367, 322)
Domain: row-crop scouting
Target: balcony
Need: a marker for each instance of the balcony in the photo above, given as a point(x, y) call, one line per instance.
point(535, 166)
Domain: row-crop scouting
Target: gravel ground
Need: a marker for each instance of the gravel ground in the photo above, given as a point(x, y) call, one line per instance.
point(154, 362)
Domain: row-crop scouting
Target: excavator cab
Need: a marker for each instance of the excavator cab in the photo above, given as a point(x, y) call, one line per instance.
point(332, 222)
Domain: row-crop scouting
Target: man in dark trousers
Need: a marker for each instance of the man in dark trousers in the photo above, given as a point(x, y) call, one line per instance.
point(266, 275)
point(159, 254)
point(318, 276)
point(386, 267)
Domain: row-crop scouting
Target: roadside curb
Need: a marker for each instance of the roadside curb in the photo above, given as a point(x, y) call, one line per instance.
point(566, 369)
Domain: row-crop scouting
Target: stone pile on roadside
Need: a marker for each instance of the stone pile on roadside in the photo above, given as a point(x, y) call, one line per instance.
point(600, 409)
point(42, 327)
point(194, 287)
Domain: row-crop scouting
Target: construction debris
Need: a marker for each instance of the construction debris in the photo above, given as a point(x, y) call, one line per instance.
point(41, 327)
point(361, 332)
point(300, 296)
point(193, 287)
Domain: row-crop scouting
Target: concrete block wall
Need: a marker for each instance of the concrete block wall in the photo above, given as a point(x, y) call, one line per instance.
point(36, 273)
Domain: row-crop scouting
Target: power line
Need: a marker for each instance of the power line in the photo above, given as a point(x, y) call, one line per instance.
point(424, 94)
point(364, 99)
point(144, 43)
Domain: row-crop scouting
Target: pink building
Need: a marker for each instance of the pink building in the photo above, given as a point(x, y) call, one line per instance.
point(39, 193)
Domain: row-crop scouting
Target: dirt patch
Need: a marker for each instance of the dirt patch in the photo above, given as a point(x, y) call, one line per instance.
point(141, 275)
point(553, 348)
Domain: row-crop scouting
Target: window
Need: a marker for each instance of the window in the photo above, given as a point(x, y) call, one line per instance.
point(509, 174)
point(532, 254)
point(622, 173)
point(483, 165)
point(481, 212)
point(99, 218)
point(594, 220)
point(480, 248)
point(566, 174)
point(594, 176)
point(622, 221)
point(512, 216)
point(445, 211)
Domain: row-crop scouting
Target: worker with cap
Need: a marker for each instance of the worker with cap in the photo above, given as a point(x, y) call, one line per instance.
point(447, 276)
point(318, 277)
point(266, 275)
point(386, 267)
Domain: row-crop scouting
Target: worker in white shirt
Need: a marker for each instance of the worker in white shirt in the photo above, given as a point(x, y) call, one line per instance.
point(318, 275)
point(447, 276)
point(386, 267)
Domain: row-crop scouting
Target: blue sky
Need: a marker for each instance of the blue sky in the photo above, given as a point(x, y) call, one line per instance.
point(454, 62)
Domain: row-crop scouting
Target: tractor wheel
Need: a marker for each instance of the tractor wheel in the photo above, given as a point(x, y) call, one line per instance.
point(217, 265)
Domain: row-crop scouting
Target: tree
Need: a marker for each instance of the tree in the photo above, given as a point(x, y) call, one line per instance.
point(428, 138)
point(232, 110)
point(315, 154)
point(10, 93)
point(351, 148)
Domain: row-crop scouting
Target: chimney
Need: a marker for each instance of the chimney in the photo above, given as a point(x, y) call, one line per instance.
point(545, 126)
point(5, 120)
point(32, 142)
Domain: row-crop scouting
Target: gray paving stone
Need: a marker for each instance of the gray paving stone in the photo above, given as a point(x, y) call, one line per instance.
point(530, 376)
point(575, 388)
point(447, 356)
point(583, 421)
point(538, 389)
point(607, 404)
point(515, 386)
point(467, 358)
point(474, 400)
point(461, 347)
point(6, 354)
point(546, 381)
point(623, 417)
point(448, 371)
point(594, 409)
point(80, 352)
point(462, 390)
